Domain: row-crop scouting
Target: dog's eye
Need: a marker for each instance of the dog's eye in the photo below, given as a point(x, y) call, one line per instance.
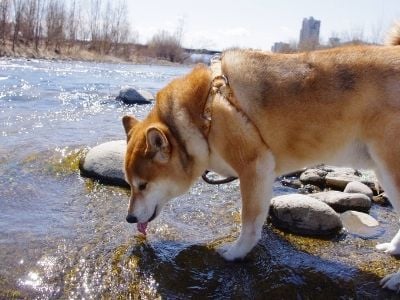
point(142, 186)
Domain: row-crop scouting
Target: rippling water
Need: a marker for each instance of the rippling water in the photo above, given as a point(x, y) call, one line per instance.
point(62, 236)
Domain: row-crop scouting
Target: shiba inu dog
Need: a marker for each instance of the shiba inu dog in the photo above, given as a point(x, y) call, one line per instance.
point(258, 115)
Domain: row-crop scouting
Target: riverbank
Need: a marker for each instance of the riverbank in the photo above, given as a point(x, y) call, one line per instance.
point(132, 54)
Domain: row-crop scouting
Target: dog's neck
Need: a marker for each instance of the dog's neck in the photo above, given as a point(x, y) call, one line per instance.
point(192, 142)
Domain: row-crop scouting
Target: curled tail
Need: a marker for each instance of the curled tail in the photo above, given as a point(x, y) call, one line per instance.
point(393, 38)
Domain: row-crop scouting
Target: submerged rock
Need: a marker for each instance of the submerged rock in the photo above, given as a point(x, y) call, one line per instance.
point(105, 163)
point(341, 201)
point(304, 215)
point(359, 223)
point(133, 96)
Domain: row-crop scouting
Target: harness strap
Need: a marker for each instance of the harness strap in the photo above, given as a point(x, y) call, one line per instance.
point(219, 88)
point(216, 181)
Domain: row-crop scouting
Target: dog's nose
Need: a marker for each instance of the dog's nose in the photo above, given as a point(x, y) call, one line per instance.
point(131, 219)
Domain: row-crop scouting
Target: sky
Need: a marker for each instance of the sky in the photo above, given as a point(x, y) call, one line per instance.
point(222, 24)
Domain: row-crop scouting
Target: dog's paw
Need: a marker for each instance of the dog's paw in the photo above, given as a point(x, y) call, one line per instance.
point(388, 248)
point(392, 282)
point(231, 252)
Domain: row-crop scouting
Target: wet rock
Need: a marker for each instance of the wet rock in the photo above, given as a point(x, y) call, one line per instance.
point(359, 223)
point(291, 182)
point(341, 201)
point(314, 177)
point(340, 177)
point(381, 199)
point(133, 96)
point(105, 163)
point(304, 215)
point(358, 187)
point(309, 189)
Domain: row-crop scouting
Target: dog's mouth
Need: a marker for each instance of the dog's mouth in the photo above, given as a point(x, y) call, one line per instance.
point(142, 227)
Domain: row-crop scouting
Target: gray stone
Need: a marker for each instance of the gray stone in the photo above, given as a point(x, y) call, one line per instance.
point(304, 215)
point(337, 178)
point(133, 96)
point(105, 163)
point(314, 177)
point(340, 177)
point(309, 189)
point(361, 224)
point(358, 187)
point(341, 201)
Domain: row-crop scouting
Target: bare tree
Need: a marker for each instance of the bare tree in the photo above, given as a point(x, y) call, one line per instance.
point(28, 15)
point(38, 32)
point(105, 35)
point(166, 46)
point(18, 6)
point(72, 22)
point(55, 23)
point(94, 23)
point(104, 27)
point(5, 7)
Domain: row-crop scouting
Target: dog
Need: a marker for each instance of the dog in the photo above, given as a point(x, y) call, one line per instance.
point(257, 115)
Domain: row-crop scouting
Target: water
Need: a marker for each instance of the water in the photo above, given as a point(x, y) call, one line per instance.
point(62, 236)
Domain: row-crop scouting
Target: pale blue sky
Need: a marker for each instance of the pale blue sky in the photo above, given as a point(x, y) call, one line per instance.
point(221, 24)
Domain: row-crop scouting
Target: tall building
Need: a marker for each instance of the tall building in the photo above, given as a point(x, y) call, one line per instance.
point(309, 34)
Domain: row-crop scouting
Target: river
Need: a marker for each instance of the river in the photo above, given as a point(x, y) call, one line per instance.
point(64, 236)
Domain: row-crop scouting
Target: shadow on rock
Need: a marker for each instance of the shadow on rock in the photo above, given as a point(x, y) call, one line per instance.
point(275, 268)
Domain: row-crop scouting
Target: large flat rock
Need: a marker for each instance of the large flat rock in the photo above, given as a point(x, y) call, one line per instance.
point(304, 215)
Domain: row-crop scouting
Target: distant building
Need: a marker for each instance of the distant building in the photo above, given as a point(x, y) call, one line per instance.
point(280, 47)
point(309, 34)
point(334, 41)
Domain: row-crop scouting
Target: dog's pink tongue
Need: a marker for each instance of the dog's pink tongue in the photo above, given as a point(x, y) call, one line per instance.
point(142, 227)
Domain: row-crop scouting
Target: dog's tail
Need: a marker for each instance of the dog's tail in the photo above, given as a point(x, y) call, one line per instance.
point(393, 38)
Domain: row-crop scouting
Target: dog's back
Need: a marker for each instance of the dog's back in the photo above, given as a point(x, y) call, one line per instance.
point(319, 106)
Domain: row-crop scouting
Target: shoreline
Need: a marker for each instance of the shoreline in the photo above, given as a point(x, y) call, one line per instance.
point(77, 53)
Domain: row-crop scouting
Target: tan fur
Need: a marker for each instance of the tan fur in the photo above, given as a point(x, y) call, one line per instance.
point(393, 38)
point(339, 106)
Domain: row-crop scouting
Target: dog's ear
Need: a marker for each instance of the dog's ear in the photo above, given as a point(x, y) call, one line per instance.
point(129, 122)
point(157, 144)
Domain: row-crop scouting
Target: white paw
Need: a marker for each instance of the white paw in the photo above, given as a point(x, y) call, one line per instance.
point(392, 282)
point(231, 252)
point(388, 248)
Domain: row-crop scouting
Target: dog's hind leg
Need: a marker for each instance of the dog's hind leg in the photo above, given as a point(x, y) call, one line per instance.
point(256, 188)
point(391, 184)
point(386, 155)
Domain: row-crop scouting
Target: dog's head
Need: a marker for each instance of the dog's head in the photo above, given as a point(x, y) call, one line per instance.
point(157, 164)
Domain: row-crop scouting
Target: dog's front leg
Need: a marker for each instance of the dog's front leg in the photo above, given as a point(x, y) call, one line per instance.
point(256, 182)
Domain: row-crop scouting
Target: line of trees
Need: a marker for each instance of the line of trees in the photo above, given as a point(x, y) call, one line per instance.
point(103, 25)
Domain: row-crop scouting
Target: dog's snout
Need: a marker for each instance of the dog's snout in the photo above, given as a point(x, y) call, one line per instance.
point(131, 219)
